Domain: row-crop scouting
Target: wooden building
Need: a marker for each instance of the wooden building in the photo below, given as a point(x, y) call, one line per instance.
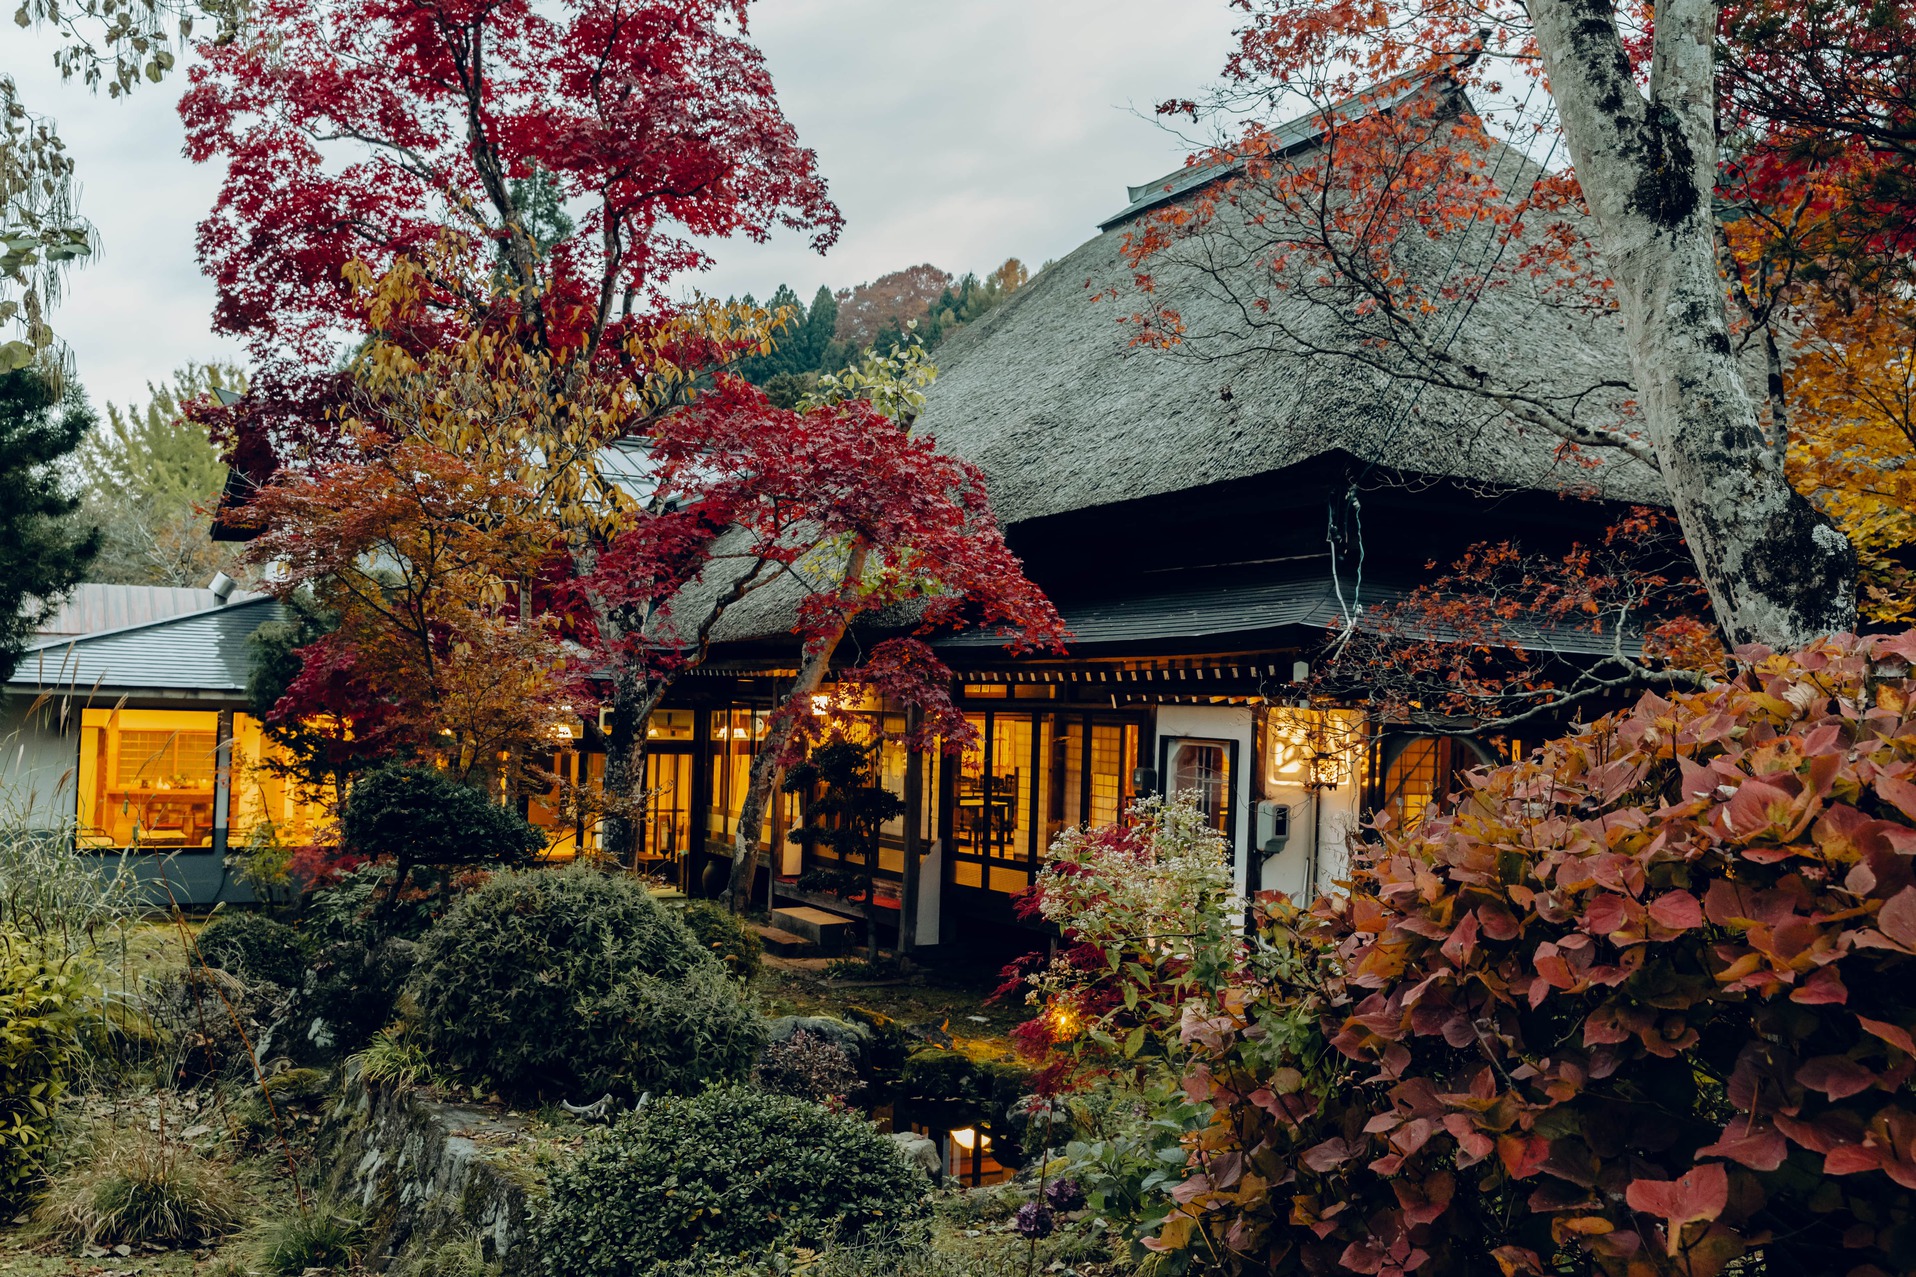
point(1201, 517)
point(1176, 506)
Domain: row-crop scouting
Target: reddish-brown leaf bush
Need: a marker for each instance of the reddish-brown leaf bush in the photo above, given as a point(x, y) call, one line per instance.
point(1642, 1005)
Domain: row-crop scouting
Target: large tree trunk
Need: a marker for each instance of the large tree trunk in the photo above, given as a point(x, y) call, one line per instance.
point(758, 793)
point(1777, 571)
point(624, 765)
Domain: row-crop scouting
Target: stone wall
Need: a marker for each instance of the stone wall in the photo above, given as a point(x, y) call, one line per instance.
point(427, 1174)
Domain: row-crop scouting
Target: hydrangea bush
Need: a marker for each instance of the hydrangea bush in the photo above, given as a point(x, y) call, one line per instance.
point(1640, 1006)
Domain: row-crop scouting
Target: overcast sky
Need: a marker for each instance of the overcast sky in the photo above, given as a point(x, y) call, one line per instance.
point(956, 132)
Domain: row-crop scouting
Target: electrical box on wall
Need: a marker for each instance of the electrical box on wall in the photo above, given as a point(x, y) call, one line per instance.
point(1285, 856)
point(1273, 827)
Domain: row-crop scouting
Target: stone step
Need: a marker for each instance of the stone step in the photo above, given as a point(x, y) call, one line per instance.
point(783, 944)
point(829, 931)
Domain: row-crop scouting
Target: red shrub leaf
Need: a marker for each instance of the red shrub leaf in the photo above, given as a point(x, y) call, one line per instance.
point(1677, 910)
point(1761, 1148)
point(1700, 1194)
point(1836, 1076)
point(1890, 1033)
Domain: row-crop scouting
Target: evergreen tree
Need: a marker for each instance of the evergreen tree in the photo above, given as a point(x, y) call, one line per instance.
point(542, 209)
point(785, 356)
point(152, 477)
point(43, 552)
point(821, 326)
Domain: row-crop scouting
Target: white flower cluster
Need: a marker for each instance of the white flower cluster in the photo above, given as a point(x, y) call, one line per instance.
point(1157, 887)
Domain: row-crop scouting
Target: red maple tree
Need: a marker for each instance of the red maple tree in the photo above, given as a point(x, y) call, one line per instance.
point(489, 199)
point(590, 145)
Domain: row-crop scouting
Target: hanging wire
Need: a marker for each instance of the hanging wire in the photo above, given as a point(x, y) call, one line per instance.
point(1352, 610)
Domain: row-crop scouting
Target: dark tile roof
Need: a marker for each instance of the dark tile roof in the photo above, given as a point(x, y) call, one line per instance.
point(202, 652)
point(1253, 607)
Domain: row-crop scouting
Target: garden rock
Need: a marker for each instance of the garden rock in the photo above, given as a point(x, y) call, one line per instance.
point(922, 1153)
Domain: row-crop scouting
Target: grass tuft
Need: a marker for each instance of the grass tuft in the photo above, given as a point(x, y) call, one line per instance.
point(136, 1188)
point(319, 1238)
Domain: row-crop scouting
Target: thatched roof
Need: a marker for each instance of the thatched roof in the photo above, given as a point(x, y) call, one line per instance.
point(1047, 394)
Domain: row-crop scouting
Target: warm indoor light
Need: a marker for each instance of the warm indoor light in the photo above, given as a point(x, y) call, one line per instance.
point(966, 1139)
point(1310, 747)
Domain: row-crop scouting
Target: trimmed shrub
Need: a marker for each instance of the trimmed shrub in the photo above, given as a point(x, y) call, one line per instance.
point(552, 983)
point(422, 816)
point(362, 953)
point(734, 1173)
point(255, 946)
point(720, 933)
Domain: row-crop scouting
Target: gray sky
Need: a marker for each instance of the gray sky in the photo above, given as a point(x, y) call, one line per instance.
point(956, 132)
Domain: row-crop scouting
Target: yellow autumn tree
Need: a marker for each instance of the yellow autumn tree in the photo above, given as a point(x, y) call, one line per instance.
point(1851, 390)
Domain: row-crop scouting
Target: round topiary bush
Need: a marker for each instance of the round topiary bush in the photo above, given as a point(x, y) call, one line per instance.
point(720, 933)
point(729, 1174)
point(557, 983)
point(255, 946)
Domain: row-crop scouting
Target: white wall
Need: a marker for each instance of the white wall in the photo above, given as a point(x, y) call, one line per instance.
point(38, 754)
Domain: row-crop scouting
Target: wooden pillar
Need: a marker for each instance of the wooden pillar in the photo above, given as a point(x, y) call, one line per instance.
point(223, 785)
point(914, 822)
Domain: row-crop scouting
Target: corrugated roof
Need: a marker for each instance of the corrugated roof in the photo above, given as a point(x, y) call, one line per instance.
point(206, 651)
point(92, 607)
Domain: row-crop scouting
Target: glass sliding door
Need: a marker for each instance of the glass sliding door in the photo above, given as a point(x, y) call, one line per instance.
point(1029, 777)
point(1114, 757)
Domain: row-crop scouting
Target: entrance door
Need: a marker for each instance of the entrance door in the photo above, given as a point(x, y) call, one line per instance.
point(1206, 768)
point(668, 806)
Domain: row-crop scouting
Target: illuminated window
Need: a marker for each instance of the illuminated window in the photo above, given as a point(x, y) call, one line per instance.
point(1413, 782)
point(668, 806)
point(735, 737)
point(1114, 756)
point(268, 801)
point(669, 724)
point(1312, 747)
point(1061, 776)
point(146, 778)
point(993, 814)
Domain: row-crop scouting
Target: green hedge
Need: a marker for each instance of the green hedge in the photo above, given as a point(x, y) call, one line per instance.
point(253, 945)
point(730, 1174)
point(551, 984)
